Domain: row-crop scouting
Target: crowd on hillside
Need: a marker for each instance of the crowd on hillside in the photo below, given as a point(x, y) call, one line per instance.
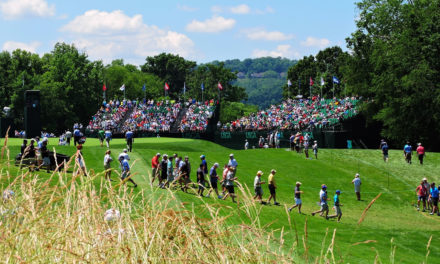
point(153, 116)
point(197, 116)
point(297, 115)
point(110, 115)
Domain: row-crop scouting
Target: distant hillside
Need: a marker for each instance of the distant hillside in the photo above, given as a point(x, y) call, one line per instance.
point(262, 78)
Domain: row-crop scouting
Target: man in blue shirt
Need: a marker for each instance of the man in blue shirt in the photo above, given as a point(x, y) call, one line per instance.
point(407, 151)
point(108, 137)
point(125, 175)
point(204, 163)
point(434, 194)
point(129, 138)
point(214, 180)
point(76, 136)
point(338, 212)
point(384, 147)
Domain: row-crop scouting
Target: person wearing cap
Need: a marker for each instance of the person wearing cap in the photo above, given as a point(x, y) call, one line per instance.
point(257, 187)
point(124, 154)
point(101, 136)
point(384, 147)
point(246, 144)
point(298, 202)
point(323, 202)
point(357, 186)
point(155, 167)
point(421, 195)
point(201, 179)
point(407, 151)
point(164, 171)
point(233, 163)
point(261, 142)
point(292, 145)
point(428, 198)
point(420, 152)
point(107, 165)
point(45, 155)
point(315, 148)
point(306, 146)
point(170, 172)
point(434, 195)
point(230, 184)
point(185, 172)
point(80, 159)
point(125, 171)
point(214, 180)
point(204, 163)
point(338, 212)
point(272, 187)
point(108, 137)
point(129, 137)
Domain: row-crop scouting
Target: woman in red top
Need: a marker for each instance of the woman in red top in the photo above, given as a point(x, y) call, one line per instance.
point(421, 195)
point(420, 152)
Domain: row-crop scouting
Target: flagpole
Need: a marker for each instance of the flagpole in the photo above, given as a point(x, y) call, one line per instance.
point(333, 89)
point(310, 91)
point(299, 86)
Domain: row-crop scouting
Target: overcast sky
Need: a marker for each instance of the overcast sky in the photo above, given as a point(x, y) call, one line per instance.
point(199, 30)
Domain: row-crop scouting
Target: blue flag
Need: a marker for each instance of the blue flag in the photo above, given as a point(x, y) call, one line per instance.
point(336, 80)
point(144, 88)
point(203, 87)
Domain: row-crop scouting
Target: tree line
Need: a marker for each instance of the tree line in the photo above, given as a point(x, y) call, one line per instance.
point(71, 84)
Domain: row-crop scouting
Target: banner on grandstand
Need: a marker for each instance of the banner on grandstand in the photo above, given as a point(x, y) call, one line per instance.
point(220, 87)
point(166, 87)
point(122, 87)
point(104, 88)
point(336, 80)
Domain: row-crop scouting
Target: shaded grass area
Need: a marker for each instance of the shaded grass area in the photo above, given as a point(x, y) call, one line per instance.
point(391, 221)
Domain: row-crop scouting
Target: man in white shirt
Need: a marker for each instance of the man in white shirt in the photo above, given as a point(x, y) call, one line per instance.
point(357, 186)
point(257, 187)
point(233, 163)
point(323, 202)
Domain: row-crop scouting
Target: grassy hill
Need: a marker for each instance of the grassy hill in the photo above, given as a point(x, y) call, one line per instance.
point(392, 230)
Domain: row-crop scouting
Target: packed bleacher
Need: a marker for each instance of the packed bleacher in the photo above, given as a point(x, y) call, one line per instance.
point(152, 116)
point(297, 115)
point(197, 116)
point(110, 115)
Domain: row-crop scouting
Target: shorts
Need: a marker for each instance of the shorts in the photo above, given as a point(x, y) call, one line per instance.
point(298, 201)
point(435, 201)
point(258, 191)
point(154, 171)
point(214, 183)
point(81, 163)
point(39, 157)
point(125, 175)
point(385, 156)
point(201, 185)
point(164, 176)
point(170, 177)
point(230, 188)
point(271, 189)
point(106, 167)
point(338, 210)
point(357, 189)
point(422, 198)
point(46, 161)
point(324, 207)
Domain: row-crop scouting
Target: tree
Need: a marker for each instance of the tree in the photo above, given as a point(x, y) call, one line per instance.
point(300, 74)
point(172, 69)
point(395, 59)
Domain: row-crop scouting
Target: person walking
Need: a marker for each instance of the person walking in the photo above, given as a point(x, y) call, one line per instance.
point(272, 188)
point(428, 198)
point(298, 202)
point(155, 167)
point(124, 154)
point(421, 196)
point(107, 165)
point(170, 172)
point(233, 163)
point(323, 202)
point(384, 147)
point(246, 145)
point(126, 175)
point(315, 149)
point(76, 136)
point(129, 138)
point(420, 152)
point(357, 186)
point(164, 171)
point(108, 137)
point(407, 151)
point(338, 212)
point(101, 136)
point(201, 179)
point(434, 194)
point(306, 146)
point(230, 184)
point(214, 180)
point(68, 137)
point(257, 187)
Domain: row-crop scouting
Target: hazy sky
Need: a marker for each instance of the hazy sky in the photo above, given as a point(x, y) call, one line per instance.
point(199, 30)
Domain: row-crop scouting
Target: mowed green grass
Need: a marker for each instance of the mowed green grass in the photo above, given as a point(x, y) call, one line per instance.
point(392, 221)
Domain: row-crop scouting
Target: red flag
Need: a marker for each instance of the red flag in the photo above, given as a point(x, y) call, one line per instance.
point(167, 87)
point(220, 87)
point(311, 81)
point(104, 88)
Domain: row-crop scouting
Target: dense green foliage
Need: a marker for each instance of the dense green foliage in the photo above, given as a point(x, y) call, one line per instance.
point(258, 65)
point(395, 60)
point(326, 64)
point(233, 110)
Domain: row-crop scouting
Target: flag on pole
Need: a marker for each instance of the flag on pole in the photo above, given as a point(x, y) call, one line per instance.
point(322, 81)
point(220, 87)
point(144, 88)
point(104, 88)
point(311, 81)
point(122, 87)
point(166, 87)
point(203, 87)
point(336, 80)
point(289, 83)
